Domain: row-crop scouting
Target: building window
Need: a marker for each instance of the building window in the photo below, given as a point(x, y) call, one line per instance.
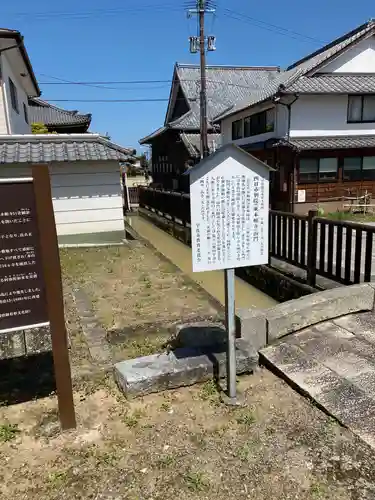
point(13, 96)
point(260, 123)
point(237, 132)
point(317, 169)
point(25, 113)
point(361, 108)
point(359, 168)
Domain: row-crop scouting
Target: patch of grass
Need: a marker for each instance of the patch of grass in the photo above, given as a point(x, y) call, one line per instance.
point(318, 491)
point(57, 479)
point(243, 453)
point(349, 216)
point(108, 458)
point(145, 346)
point(245, 417)
point(8, 432)
point(166, 406)
point(208, 391)
point(132, 420)
point(166, 461)
point(196, 481)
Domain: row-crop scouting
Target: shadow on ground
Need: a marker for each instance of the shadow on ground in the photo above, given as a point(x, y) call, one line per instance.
point(26, 378)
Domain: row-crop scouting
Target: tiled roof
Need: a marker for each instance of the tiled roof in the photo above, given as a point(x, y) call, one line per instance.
point(193, 143)
point(290, 79)
point(43, 112)
point(153, 134)
point(333, 142)
point(334, 84)
point(226, 86)
point(316, 59)
point(46, 148)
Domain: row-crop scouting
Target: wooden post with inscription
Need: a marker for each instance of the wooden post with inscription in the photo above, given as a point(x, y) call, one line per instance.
point(30, 276)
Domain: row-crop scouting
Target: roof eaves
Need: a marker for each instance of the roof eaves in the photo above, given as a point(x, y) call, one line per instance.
point(16, 35)
point(330, 45)
point(155, 133)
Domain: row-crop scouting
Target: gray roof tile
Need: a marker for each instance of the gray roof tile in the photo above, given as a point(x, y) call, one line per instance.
point(334, 84)
point(43, 112)
point(226, 86)
point(193, 143)
point(46, 148)
point(333, 142)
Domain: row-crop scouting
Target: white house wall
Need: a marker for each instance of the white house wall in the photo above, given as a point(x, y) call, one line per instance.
point(360, 58)
point(281, 125)
point(322, 115)
point(87, 197)
point(16, 120)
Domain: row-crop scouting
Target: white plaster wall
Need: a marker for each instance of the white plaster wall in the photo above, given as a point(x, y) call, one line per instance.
point(16, 120)
point(358, 59)
point(86, 196)
point(281, 125)
point(319, 115)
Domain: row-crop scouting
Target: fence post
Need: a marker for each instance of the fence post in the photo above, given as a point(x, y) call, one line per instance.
point(311, 247)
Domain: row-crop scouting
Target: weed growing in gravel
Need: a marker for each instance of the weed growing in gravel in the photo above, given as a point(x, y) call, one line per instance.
point(8, 432)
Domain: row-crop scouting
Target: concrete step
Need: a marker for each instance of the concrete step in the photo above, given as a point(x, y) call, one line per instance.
point(181, 367)
point(326, 364)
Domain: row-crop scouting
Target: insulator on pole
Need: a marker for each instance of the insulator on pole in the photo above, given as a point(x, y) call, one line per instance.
point(194, 46)
point(211, 43)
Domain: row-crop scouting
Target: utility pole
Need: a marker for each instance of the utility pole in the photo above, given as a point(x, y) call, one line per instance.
point(203, 95)
point(201, 10)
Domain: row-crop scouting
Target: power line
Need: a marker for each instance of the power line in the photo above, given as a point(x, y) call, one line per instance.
point(238, 16)
point(108, 100)
point(90, 13)
point(97, 84)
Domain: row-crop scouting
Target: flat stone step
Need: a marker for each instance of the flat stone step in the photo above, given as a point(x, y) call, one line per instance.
point(181, 367)
point(321, 363)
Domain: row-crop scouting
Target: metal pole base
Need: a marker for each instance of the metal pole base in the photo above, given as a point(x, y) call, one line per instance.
point(237, 402)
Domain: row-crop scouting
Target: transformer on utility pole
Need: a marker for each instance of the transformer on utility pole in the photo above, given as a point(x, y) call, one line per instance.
point(199, 44)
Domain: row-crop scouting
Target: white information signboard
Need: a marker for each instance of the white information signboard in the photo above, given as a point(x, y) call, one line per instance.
point(229, 193)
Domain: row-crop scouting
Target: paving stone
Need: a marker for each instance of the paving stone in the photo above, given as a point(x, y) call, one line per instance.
point(335, 368)
point(181, 367)
point(360, 324)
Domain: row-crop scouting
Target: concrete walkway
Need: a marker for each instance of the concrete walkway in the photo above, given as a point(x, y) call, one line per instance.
point(334, 363)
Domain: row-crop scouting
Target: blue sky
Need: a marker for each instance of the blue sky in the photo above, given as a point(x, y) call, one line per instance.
point(124, 40)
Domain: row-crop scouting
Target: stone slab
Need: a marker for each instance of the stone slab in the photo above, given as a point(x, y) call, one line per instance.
point(252, 326)
point(181, 367)
point(300, 313)
point(200, 334)
point(93, 332)
point(361, 325)
point(328, 367)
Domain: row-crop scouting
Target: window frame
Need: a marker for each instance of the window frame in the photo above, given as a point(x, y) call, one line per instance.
point(261, 116)
point(318, 180)
point(362, 96)
point(26, 113)
point(361, 170)
point(241, 134)
point(14, 96)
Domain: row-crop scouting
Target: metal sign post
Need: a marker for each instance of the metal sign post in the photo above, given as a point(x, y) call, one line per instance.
point(230, 320)
point(229, 203)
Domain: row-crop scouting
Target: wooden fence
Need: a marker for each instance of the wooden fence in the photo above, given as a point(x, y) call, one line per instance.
point(338, 250)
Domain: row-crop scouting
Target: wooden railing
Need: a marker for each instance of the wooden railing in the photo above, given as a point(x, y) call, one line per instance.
point(169, 204)
point(339, 250)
